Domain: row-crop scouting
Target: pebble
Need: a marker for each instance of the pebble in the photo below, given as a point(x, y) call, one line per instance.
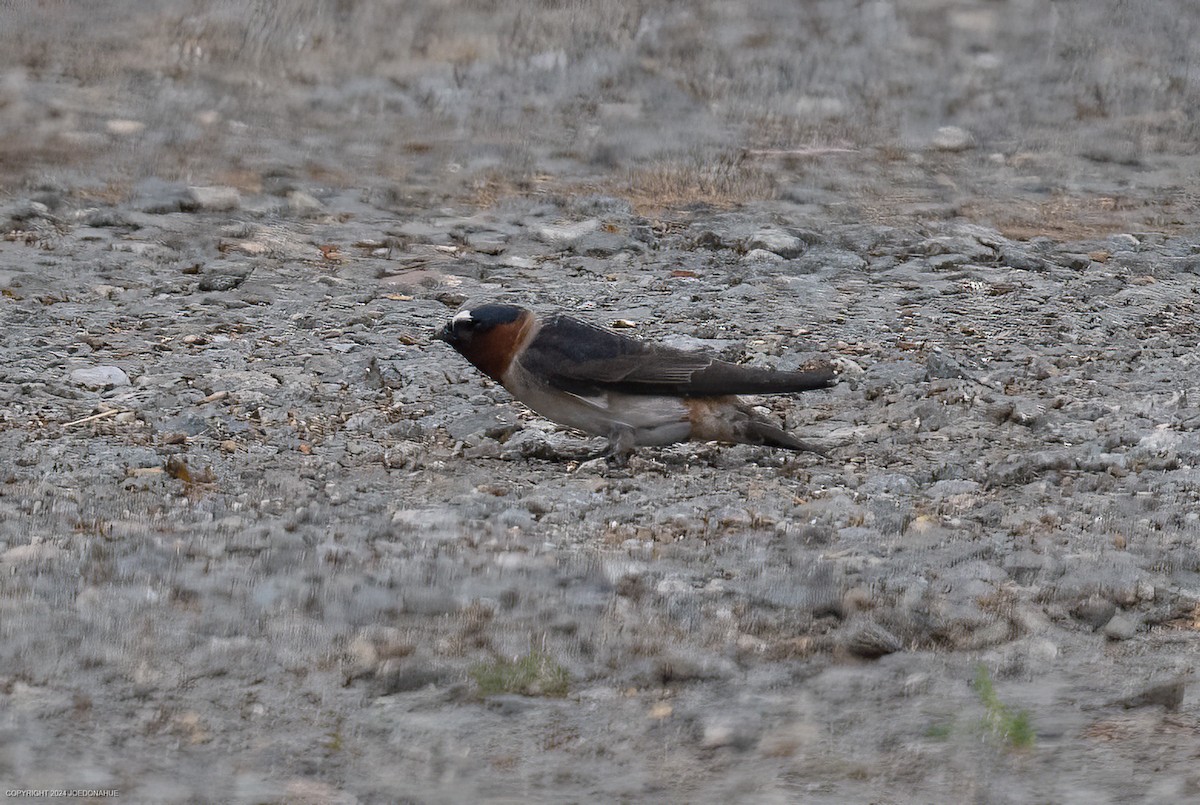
point(403, 676)
point(676, 666)
point(1096, 611)
point(952, 138)
point(600, 244)
point(124, 128)
point(215, 198)
point(825, 260)
point(776, 242)
point(100, 377)
point(301, 203)
point(488, 242)
point(1121, 627)
point(36, 552)
point(1168, 694)
point(154, 196)
point(870, 640)
point(736, 732)
point(761, 256)
point(567, 234)
point(223, 281)
point(24, 211)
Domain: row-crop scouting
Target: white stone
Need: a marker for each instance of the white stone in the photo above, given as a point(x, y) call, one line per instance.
point(952, 138)
point(96, 377)
point(216, 199)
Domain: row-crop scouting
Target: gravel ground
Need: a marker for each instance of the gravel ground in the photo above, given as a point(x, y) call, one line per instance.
point(262, 539)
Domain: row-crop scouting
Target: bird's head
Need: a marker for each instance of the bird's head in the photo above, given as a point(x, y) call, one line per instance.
point(488, 336)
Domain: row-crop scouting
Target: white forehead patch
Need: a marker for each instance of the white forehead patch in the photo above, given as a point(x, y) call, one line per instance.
point(461, 316)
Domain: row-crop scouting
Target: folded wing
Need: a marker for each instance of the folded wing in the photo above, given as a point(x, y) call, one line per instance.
point(584, 359)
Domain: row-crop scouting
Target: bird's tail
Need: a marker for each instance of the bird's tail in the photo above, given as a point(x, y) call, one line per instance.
point(759, 432)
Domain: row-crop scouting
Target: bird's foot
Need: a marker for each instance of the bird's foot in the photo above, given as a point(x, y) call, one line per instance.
point(612, 456)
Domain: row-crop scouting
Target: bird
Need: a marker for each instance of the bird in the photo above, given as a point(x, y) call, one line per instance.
point(633, 392)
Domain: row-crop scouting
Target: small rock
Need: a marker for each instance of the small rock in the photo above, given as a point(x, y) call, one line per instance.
point(952, 138)
point(734, 517)
point(302, 203)
point(405, 455)
point(884, 377)
point(215, 199)
point(429, 602)
point(493, 423)
point(99, 377)
point(1095, 611)
point(1115, 150)
point(777, 242)
point(856, 599)
point(1078, 262)
point(124, 128)
point(36, 552)
point(951, 488)
point(486, 448)
point(28, 211)
point(661, 710)
point(734, 732)
point(825, 259)
point(156, 197)
point(942, 367)
point(515, 518)
point(998, 631)
point(1026, 412)
point(707, 239)
point(888, 483)
point(961, 248)
point(221, 282)
point(871, 641)
point(1041, 651)
point(845, 366)
point(539, 504)
point(488, 242)
point(762, 256)
point(1026, 566)
point(819, 107)
point(600, 244)
point(1016, 257)
point(681, 667)
point(106, 217)
point(566, 234)
point(1121, 627)
point(1167, 694)
point(433, 523)
point(404, 675)
point(530, 443)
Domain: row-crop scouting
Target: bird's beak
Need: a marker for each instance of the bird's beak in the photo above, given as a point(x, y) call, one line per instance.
point(445, 334)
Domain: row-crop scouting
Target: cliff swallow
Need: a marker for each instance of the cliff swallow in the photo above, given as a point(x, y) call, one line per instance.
point(632, 392)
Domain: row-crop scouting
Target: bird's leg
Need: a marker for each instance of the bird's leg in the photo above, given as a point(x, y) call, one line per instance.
point(620, 446)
